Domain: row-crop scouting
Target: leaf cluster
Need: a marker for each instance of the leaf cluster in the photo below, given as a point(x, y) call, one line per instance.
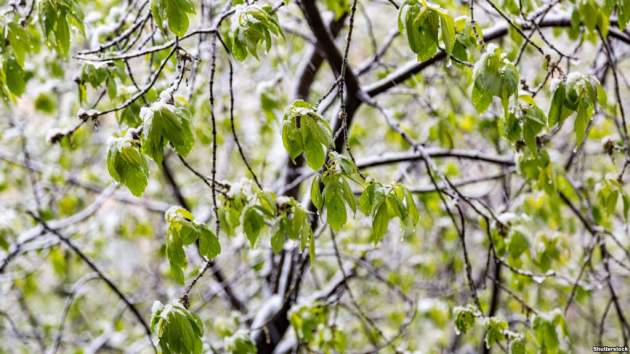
point(384, 203)
point(253, 26)
point(304, 131)
point(179, 331)
point(182, 231)
point(175, 12)
point(425, 25)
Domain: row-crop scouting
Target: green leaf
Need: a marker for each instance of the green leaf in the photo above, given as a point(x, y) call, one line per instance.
point(367, 198)
point(55, 18)
point(517, 245)
point(424, 24)
point(176, 13)
point(127, 165)
point(277, 240)
point(182, 231)
point(534, 120)
point(495, 331)
point(557, 111)
point(14, 75)
point(45, 103)
point(240, 343)
point(335, 210)
point(623, 13)
point(348, 195)
point(314, 152)
point(316, 193)
point(494, 76)
point(252, 27)
point(447, 31)
point(253, 223)
point(380, 222)
point(178, 330)
point(546, 334)
point(305, 131)
point(578, 93)
point(584, 114)
point(20, 40)
point(209, 245)
point(111, 88)
point(626, 206)
point(464, 318)
point(517, 346)
point(164, 123)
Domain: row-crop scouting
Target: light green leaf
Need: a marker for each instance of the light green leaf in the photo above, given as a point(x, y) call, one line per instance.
point(14, 75)
point(176, 13)
point(335, 210)
point(209, 245)
point(240, 343)
point(305, 131)
point(464, 318)
point(316, 193)
point(178, 330)
point(380, 222)
point(584, 114)
point(253, 223)
point(494, 76)
point(534, 120)
point(164, 123)
point(127, 165)
point(447, 32)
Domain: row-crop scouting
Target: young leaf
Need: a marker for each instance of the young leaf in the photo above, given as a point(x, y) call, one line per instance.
point(240, 343)
point(252, 26)
point(253, 222)
point(335, 209)
point(182, 231)
point(56, 16)
point(578, 93)
point(178, 330)
point(494, 76)
point(176, 13)
point(164, 123)
point(316, 193)
point(14, 75)
point(533, 122)
point(495, 331)
point(127, 165)
point(464, 318)
point(380, 222)
point(209, 245)
point(424, 24)
point(305, 131)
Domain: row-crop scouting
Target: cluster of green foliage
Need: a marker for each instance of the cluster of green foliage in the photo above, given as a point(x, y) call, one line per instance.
point(424, 23)
point(184, 231)
point(253, 26)
point(304, 131)
point(175, 13)
point(178, 330)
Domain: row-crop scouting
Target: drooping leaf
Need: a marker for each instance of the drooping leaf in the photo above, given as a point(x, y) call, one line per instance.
point(127, 165)
point(175, 12)
point(494, 76)
point(164, 123)
point(464, 318)
point(252, 27)
point(182, 231)
point(305, 131)
point(425, 24)
point(178, 330)
point(14, 75)
point(253, 223)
